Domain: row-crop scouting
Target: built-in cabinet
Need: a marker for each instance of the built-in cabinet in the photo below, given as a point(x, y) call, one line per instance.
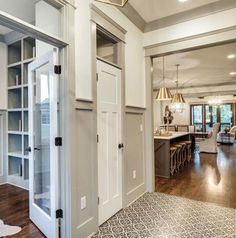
point(20, 54)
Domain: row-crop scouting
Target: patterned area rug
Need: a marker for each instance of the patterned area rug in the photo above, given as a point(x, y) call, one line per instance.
point(160, 215)
point(6, 230)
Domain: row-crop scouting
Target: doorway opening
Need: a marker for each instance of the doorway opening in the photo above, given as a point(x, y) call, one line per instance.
point(199, 149)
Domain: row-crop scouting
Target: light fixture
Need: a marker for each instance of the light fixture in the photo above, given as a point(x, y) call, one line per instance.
point(178, 102)
point(216, 101)
point(231, 56)
point(118, 3)
point(232, 73)
point(164, 93)
point(183, 0)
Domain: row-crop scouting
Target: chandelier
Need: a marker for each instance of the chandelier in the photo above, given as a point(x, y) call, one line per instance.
point(118, 3)
point(164, 93)
point(178, 102)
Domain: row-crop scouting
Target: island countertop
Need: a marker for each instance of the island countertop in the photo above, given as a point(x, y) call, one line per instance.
point(173, 136)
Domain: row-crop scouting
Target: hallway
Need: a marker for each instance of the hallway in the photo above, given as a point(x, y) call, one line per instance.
point(14, 210)
point(203, 204)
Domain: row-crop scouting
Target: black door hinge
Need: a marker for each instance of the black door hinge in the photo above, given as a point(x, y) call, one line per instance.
point(57, 69)
point(97, 138)
point(59, 213)
point(98, 200)
point(97, 76)
point(58, 141)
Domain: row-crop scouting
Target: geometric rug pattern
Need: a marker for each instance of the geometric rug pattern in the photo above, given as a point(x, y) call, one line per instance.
point(158, 215)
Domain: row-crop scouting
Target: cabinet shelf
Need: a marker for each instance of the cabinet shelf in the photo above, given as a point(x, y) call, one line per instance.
point(20, 54)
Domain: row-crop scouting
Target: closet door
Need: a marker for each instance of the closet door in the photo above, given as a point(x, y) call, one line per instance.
point(43, 130)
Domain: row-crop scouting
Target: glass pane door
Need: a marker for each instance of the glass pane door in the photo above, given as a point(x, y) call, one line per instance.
point(197, 117)
point(226, 116)
point(43, 156)
point(210, 116)
point(42, 139)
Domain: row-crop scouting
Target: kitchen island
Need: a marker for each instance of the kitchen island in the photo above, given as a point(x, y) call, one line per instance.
point(162, 146)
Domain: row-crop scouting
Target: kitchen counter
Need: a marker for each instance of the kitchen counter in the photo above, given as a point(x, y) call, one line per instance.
point(162, 146)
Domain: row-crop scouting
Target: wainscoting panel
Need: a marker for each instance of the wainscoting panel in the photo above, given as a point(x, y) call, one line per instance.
point(134, 163)
point(86, 174)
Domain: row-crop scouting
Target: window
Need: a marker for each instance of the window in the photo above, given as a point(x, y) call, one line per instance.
point(197, 117)
point(203, 117)
point(226, 116)
point(106, 48)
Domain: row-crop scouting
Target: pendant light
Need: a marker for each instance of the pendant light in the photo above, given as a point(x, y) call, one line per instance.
point(178, 102)
point(118, 3)
point(164, 93)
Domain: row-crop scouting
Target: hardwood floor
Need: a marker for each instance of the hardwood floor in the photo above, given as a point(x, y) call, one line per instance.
point(14, 210)
point(210, 178)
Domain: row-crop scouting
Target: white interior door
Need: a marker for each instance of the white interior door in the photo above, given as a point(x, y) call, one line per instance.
point(43, 156)
point(109, 134)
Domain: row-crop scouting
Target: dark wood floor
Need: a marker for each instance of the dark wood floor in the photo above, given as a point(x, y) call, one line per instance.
point(210, 178)
point(14, 210)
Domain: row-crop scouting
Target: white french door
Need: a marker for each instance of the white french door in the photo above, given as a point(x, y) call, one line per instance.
point(109, 143)
point(43, 156)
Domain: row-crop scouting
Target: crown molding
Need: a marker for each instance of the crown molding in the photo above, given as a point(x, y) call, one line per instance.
point(195, 13)
point(133, 16)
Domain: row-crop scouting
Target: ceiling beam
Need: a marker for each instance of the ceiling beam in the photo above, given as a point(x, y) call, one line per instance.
point(203, 86)
point(208, 94)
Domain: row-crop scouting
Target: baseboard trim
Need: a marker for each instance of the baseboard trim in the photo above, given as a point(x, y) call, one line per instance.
point(135, 194)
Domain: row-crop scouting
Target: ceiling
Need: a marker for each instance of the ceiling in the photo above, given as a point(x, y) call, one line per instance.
point(155, 9)
point(199, 68)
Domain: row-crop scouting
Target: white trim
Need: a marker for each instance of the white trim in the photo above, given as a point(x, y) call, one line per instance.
point(136, 198)
point(134, 189)
point(85, 222)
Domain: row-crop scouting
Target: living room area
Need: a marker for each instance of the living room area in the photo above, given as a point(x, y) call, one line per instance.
point(194, 117)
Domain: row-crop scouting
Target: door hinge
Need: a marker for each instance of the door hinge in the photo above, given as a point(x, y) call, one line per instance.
point(97, 138)
point(59, 213)
point(57, 69)
point(58, 141)
point(97, 76)
point(98, 200)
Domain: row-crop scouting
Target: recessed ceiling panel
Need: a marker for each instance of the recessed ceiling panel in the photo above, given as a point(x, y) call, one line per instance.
point(151, 10)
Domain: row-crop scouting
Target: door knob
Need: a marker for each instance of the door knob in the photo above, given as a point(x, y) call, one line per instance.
point(36, 148)
point(120, 146)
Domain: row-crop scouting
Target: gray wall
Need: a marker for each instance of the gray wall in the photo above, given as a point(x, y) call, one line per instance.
point(134, 160)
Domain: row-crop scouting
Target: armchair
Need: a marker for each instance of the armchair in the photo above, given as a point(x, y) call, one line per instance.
point(209, 145)
point(228, 138)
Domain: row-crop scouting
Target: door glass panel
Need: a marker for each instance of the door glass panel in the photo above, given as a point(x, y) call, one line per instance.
point(211, 116)
point(226, 115)
point(42, 181)
point(197, 117)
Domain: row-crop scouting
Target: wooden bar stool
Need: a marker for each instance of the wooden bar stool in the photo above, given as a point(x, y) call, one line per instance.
point(189, 152)
point(178, 155)
point(173, 151)
point(184, 152)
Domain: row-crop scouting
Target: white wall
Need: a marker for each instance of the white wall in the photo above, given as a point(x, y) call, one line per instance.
point(134, 54)
point(194, 27)
point(47, 18)
point(3, 76)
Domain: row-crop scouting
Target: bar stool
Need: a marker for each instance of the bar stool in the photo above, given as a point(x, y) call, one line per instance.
point(178, 155)
point(189, 152)
point(184, 152)
point(173, 151)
